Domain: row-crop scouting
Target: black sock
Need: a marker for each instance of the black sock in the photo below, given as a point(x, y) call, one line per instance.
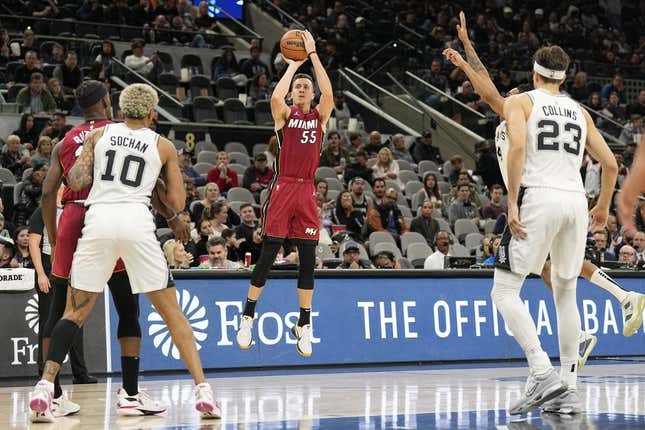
point(249, 308)
point(130, 370)
point(305, 317)
point(58, 390)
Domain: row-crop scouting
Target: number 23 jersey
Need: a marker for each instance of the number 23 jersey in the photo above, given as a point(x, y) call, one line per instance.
point(126, 166)
point(300, 143)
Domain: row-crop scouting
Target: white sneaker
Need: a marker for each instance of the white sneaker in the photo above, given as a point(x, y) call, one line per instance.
point(245, 332)
point(40, 404)
point(205, 403)
point(632, 307)
point(139, 404)
point(586, 344)
point(539, 389)
point(303, 337)
point(566, 403)
point(62, 406)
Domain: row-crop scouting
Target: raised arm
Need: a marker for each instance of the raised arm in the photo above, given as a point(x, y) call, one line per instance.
point(81, 174)
point(279, 108)
point(51, 184)
point(471, 55)
point(515, 114)
point(326, 104)
point(598, 149)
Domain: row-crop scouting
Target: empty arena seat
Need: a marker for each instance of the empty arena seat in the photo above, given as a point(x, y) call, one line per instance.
point(204, 109)
point(235, 112)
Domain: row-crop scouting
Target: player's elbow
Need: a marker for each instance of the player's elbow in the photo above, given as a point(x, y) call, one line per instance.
point(611, 166)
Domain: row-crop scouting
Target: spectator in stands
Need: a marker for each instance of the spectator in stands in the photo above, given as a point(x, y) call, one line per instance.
point(360, 201)
point(341, 111)
point(182, 34)
point(503, 81)
point(12, 157)
point(272, 150)
point(232, 245)
point(91, 10)
point(633, 130)
point(5, 230)
point(102, 67)
point(640, 217)
point(204, 21)
point(167, 9)
point(616, 85)
point(399, 150)
point(352, 258)
point(69, 74)
point(119, 13)
point(139, 62)
point(431, 191)
point(601, 243)
point(487, 166)
point(628, 154)
point(486, 247)
point(615, 236)
point(141, 14)
point(359, 168)
point(176, 255)
point(638, 106)
point(217, 256)
point(387, 216)
point(43, 151)
point(638, 243)
point(35, 98)
point(6, 252)
point(356, 143)
point(387, 167)
point(258, 176)
point(218, 216)
point(42, 9)
point(464, 179)
point(23, 73)
point(202, 232)
point(345, 214)
point(254, 246)
point(495, 207)
point(457, 168)
point(260, 88)
point(211, 195)
point(29, 198)
point(22, 258)
point(27, 132)
point(627, 255)
point(493, 247)
point(614, 110)
point(422, 149)
point(386, 260)
point(5, 48)
point(434, 77)
point(254, 66)
point(249, 222)
point(224, 177)
point(19, 50)
point(58, 127)
point(424, 224)
point(331, 59)
point(56, 90)
point(56, 56)
point(188, 171)
point(334, 155)
point(468, 96)
point(227, 66)
point(442, 250)
point(579, 88)
point(375, 143)
point(462, 207)
point(378, 189)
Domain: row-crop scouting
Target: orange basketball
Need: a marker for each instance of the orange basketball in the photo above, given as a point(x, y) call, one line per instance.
point(292, 46)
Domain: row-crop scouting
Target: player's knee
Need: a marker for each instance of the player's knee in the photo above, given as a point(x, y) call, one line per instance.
point(128, 327)
point(563, 284)
point(307, 256)
point(505, 284)
point(63, 336)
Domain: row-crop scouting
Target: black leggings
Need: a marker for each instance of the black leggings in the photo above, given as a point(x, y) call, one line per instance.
point(306, 255)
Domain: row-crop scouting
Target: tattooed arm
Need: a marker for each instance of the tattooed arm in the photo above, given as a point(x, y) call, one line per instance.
point(81, 174)
point(471, 55)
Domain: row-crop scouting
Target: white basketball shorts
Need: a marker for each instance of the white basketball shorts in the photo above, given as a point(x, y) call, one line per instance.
point(556, 223)
point(114, 231)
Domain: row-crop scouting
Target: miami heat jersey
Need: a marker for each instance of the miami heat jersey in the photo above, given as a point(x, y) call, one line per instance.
point(69, 152)
point(300, 144)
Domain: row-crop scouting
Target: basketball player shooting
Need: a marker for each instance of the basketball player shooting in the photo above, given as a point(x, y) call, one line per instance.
point(290, 209)
point(122, 163)
point(632, 303)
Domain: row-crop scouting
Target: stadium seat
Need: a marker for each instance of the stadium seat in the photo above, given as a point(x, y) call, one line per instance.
point(405, 165)
point(406, 212)
point(258, 148)
point(408, 175)
point(489, 226)
point(380, 236)
point(162, 232)
point(444, 187)
point(263, 113)
point(226, 88)
point(239, 158)
point(128, 33)
point(192, 62)
point(444, 225)
point(473, 240)
point(409, 238)
point(417, 200)
point(418, 251)
point(12, 66)
point(235, 204)
point(263, 195)
point(463, 227)
point(205, 146)
point(200, 86)
point(325, 172)
point(412, 188)
point(207, 157)
point(203, 168)
point(167, 62)
point(235, 112)
point(13, 91)
point(236, 147)
point(204, 109)
point(389, 183)
point(447, 169)
point(333, 194)
point(323, 251)
point(427, 166)
point(371, 162)
point(385, 246)
point(240, 194)
point(7, 177)
point(334, 184)
point(168, 82)
point(114, 99)
point(27, 173)
point(59, 27)
point(17, 190)
point(238, 168)
point(458, 250)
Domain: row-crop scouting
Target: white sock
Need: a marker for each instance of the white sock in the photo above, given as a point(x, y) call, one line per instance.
point(569, 373)
point(506, 295)
point(605, 282)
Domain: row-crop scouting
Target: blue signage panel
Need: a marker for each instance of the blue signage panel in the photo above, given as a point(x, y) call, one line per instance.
point(371, 320)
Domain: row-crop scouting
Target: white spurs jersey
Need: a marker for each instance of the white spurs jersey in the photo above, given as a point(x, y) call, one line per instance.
point(556, 132)
point(126, 166)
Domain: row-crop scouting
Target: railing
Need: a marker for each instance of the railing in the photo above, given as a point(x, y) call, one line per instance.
point(240, 24)
point(283, 14)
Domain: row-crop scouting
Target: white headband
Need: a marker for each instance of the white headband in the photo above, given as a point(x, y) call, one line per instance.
point(549, 73)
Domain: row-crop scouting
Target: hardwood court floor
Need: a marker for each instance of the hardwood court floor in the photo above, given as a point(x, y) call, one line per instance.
point(402, 398)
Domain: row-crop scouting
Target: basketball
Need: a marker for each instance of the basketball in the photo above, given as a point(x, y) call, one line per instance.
point(292, 46)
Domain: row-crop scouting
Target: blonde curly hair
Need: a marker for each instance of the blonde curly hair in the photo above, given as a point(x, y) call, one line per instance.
point(137, 100)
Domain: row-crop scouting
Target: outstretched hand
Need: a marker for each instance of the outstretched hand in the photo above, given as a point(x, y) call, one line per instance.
point(454, 57)
point(598, 218)
point(462, 30)
point(310, 42)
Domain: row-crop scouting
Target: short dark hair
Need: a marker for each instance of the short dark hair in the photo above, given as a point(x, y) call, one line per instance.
point(302, 76)
point(378, 180)
point(36, 77)
point(463, 186)
point(216, 241)
point(227, 232)
point(245, 205)
point(333, 133)
point(361, 153)
point(496, 187)
point(552, 57)
point(71, 53)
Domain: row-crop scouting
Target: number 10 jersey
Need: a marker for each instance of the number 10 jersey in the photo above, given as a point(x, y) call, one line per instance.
point(556, 132)
point(126, 166)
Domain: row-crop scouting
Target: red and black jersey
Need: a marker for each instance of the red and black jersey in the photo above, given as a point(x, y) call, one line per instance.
point(299, 144)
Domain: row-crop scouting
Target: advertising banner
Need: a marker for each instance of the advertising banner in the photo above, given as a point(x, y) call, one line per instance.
point(371, 320)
